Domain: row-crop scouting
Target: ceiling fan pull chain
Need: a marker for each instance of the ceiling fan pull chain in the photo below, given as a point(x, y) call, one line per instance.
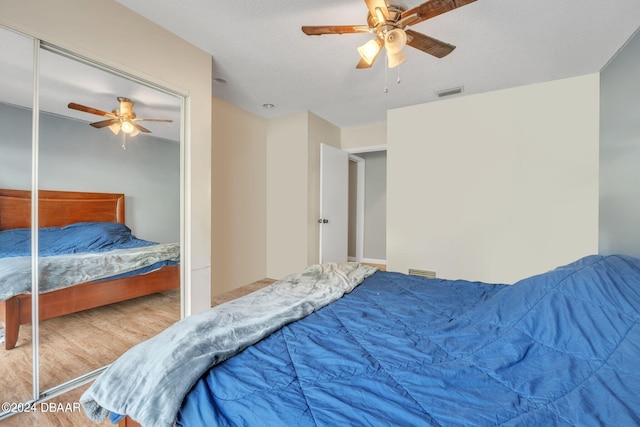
point(386, 89)
point(398, 67)
point(124, 141)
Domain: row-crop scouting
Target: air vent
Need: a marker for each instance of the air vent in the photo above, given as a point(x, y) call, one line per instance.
point(422, 273)
point(449, 92)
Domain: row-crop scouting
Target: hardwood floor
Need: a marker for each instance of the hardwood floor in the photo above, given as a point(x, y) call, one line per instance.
point(381, 267)
point(241, 291)
point(113, 329)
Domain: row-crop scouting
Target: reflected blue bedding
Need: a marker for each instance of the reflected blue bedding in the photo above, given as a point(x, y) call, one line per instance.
point(74, 238)
point(556, 349)
point(78, 253)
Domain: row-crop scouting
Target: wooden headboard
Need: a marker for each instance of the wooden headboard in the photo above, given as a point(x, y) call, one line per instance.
point(59, 208)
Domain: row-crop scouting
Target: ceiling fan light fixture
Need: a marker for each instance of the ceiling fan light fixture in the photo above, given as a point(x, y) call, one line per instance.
point(395, 59)
point(370, 50)
point(388, 21)
point(394, 41)
point(120, 119)
point(115, 128)
point(127, 127)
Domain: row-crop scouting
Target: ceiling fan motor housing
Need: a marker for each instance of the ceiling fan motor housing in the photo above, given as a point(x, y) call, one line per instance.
point(395, 12)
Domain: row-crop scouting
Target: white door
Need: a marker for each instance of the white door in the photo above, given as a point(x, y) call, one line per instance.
point(334, 204)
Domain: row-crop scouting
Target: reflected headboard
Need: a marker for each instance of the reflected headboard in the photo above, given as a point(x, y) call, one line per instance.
point(59, 208)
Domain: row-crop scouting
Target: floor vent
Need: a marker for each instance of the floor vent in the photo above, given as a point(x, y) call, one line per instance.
point(422, 273)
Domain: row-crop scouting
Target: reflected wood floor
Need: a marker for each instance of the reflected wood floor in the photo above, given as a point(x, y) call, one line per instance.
point(69, 350)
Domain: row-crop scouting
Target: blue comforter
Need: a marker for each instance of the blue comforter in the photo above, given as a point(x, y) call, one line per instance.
point(79, 237)
point(557, 349)
point(77, 253)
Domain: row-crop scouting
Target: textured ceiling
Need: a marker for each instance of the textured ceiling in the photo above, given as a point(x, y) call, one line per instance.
point(259, 49)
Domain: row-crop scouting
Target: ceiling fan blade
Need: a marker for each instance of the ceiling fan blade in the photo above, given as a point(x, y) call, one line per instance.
point(152, 120)
point(140, 128)
point(430, 9)
point(378, 9)
point(79, 107)
point(427, 44)
point(105, 123)
point(319, 30)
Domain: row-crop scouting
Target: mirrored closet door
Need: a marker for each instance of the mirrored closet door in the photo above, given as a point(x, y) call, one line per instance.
point(107, 163)
point(16, 113)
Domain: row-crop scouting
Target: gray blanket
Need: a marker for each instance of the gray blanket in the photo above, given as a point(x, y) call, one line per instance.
point(61, 271)
point(149, 382)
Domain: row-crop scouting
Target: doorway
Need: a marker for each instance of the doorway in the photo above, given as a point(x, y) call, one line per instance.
point(353, 205)
point(367, 206)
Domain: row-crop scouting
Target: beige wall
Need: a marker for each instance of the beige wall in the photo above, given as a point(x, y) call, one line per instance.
point(496, 186)
point(265, 194)
point(89, 28)
point(370, 135)
point(500, 185)
point(287, 187)
point(293, 190)
point(239, 197)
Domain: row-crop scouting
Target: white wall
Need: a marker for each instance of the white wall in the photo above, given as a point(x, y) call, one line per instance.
point(87, 27)
point(620, 153)
point(320, 132)
point(496, 186)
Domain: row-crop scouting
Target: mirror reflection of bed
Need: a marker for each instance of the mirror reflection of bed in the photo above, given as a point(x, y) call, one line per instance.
point(83, 244)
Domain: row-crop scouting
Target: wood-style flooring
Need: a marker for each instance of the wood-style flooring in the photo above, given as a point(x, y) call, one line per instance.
point(382, 267)
point(82, 342)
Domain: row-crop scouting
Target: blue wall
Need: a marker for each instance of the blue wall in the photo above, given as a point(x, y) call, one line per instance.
point(76, 157)
point(619, 216)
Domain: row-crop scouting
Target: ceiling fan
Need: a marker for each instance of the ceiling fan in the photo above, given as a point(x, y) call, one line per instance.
point(387, 22)
point(120, 119)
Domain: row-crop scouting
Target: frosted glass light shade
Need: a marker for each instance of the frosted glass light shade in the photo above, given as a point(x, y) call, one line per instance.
point(370, 50)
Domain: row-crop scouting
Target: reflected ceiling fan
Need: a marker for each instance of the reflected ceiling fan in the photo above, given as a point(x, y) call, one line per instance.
point(387, 22)
point(121, 119)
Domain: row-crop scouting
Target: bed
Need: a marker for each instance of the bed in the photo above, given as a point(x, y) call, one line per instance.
point(64, 209)
point(345, 345)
